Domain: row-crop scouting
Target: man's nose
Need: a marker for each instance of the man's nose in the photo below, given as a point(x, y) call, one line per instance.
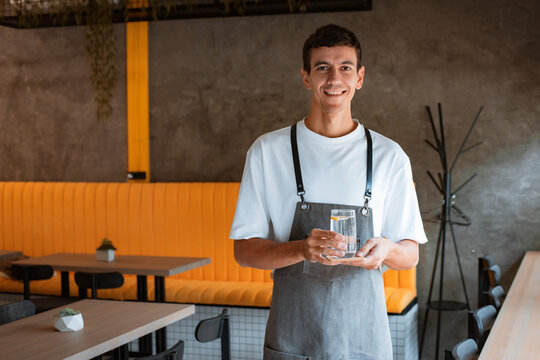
point(334, 77)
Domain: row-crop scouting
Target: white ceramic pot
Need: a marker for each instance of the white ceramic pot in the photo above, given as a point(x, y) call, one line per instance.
point(105, 255)
point(69, 323)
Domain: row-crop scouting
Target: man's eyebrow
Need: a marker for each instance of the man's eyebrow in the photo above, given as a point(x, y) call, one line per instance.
point(320, 63)
point(346, 62)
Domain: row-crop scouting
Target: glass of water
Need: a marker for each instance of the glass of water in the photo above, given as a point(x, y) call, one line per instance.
point(343, 221)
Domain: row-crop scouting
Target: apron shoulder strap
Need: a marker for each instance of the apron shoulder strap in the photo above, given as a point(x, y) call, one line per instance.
point(369, 172)
point(298, 172)
point(296, 160)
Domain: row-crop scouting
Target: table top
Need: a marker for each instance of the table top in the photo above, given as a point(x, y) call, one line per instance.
point(9, 254)
point(125, 264)
point(107, 325)
point(516, 332)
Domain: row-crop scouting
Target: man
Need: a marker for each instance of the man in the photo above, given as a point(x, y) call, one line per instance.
point(323, 307)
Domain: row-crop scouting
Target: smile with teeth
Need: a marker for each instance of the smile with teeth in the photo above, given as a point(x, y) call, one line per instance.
point(334, 92)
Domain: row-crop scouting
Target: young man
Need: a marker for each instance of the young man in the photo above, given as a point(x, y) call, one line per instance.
point(323, 308)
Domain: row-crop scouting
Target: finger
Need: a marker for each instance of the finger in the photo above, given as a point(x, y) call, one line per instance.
point(373, 260)
point(332, 252)
point(334, 244)
point(359, 262)
point(330, 262)
point(327, 234)
point(335, 241)
point(364, 250)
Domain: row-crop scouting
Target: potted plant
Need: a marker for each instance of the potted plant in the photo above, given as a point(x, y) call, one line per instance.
point(105, 251)
point(68, 320)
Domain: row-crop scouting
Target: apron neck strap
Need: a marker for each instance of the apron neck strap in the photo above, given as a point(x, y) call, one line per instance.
point(369, 172)
point(298, 172)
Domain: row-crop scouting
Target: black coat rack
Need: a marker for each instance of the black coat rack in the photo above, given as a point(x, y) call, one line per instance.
point(444, 185)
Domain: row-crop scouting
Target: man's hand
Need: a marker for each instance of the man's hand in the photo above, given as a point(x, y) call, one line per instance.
point(398, 256)
point(321, 243)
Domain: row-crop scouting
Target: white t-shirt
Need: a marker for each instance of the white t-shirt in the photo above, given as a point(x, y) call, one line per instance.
point(333, 171)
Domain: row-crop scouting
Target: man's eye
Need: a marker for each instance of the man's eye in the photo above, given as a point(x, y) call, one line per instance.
point(347, 68)
point(322, 68)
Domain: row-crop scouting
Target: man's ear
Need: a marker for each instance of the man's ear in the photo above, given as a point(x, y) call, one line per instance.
point(360, 81)
point(305, 78)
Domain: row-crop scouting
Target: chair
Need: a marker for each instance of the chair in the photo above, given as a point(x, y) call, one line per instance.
point(465, 350)
point(176, 352)
point(95, 281)
point(215, 328)
point(480, 323)
point(16, 311)
point(486, 261)
point(28, 273)
point(489, 275)
point(496, 297)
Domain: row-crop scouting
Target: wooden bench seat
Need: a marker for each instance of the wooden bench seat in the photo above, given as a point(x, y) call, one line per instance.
point(167, 219)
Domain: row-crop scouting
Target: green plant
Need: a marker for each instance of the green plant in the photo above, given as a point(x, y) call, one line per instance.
point(101, 50)
point(106, 244)
point(67, 312)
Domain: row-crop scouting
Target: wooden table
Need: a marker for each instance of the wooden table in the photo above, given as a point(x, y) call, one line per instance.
point(107, 326)
point(516, 332)
point(9, 254)
point(142, 266)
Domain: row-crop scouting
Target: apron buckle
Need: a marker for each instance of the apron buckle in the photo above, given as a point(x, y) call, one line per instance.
point(304, 206)
point(365, 209)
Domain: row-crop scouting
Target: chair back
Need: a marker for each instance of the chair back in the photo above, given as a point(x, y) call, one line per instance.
point(95, 281)
point(215, 328)
point(465, 350)
point(480, 323)
point(494, 274)
point(27, 273)
point(486, 261)
point(489, 275)
point(16, 311)
point(496, 296)
point(175, 352)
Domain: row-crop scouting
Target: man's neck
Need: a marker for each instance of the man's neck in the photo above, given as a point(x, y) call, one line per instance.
point(330, 125)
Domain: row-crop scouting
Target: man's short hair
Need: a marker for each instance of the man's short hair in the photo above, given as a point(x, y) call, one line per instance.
point(331, 35)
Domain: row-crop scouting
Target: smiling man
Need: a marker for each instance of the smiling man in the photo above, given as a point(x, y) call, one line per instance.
point(323, 305)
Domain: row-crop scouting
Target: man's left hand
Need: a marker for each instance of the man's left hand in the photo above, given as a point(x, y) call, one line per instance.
point(399, 255)
point(373, 253)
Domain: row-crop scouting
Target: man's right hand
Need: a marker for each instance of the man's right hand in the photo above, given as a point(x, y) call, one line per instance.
point(322, 243)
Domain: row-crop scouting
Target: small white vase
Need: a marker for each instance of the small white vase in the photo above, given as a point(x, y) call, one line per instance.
point(105, 255)
point(69, 323)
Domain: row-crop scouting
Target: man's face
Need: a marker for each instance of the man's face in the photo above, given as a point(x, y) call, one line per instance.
point(333, 78)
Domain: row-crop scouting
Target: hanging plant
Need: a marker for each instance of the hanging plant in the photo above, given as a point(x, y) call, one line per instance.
point(101, 51)
point(100, 39)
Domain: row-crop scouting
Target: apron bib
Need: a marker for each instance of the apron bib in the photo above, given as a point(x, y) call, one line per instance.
point(327, 312)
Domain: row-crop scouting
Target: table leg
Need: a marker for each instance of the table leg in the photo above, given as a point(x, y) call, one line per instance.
point(159, 288)
point(121, 353)
point(65, 284)
point(145, 343)
point(142, 288)
point(161, 334)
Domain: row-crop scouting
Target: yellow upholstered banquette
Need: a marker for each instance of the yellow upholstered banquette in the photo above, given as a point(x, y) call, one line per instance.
point(168, 219)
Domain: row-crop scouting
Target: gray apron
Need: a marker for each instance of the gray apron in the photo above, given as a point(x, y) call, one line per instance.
point(327, 312)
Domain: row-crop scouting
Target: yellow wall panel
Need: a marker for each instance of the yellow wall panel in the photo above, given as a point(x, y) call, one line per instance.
point(137, 97)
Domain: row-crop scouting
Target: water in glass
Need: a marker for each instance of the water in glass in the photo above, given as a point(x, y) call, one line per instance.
point(343, 221)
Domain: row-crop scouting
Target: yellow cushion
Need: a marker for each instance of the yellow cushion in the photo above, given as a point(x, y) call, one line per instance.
point(168, 219)
point(231, 293)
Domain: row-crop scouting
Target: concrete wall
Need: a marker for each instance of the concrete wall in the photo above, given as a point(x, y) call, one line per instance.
point(48, 126)
point(217, 84)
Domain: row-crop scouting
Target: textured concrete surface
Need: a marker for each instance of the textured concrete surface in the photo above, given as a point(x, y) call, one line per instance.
point(48, 126)
point(217, 84)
